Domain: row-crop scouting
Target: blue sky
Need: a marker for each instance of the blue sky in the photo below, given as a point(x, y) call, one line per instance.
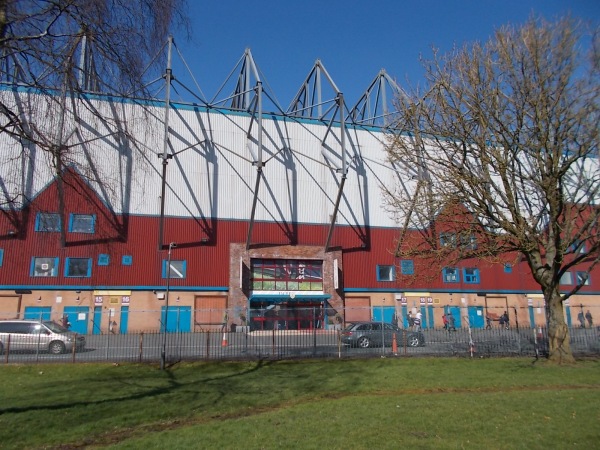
point(354, 39)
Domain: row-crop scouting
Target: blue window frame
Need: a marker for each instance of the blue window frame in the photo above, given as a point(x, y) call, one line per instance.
point(1, 256)
point(78, 267)
point(471, 275)
point(577, 247)
point(127, 260)
point(47, 222)
point(407, 267)
point(508, 268)
point(583, 278)
point(177, 269)
point(468, 241)
point(103, 259)
point(451, 275)
point(82, 223)
point(44, 267)
point(448, 239)
point(385, 273)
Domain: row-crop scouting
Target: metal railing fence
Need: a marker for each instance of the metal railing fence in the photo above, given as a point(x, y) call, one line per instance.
point(243, 344)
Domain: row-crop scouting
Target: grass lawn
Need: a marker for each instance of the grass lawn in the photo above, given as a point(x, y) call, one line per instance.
point(318, 404)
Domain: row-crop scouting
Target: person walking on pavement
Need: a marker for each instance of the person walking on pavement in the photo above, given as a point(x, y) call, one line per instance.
point(417, 321)
point(445, 321)
point(588, 316)
point(581, 319)
point(451, 322)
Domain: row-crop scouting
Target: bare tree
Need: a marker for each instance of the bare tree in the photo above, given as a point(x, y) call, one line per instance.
point(56, 52)
point(502, 155)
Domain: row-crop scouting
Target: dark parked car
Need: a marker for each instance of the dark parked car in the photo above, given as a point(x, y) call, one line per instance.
point(370, 334)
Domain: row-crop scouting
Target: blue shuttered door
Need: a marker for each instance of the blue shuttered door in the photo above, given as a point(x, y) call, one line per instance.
point(37, 313)
point(78, 318)
point(178, 319)
point(383, 313)
point(476, 319)
point(455, 311)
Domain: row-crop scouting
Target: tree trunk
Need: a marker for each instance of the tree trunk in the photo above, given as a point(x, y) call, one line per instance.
point(559, 340)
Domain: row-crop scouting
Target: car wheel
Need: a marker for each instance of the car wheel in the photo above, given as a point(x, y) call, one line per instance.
point(413, 340)
point(56, 347)
point(363, 342)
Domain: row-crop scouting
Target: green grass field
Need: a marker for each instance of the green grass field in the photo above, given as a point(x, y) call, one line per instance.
point(335, 404)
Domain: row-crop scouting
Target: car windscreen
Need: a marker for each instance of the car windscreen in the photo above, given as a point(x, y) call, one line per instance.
point(54, 327)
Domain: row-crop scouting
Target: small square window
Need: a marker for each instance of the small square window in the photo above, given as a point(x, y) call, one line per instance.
point(471, 276)
point(577, 247)
point(407, 267)
point(44, 267)
point(448, 239)
point(127, 260)
point(508, 268)
point(177, 269)
point(47, 222)
point(468, 241)
point(82, 223)
point(567, 278)
point(103, 259)
point(78, 267)
point(450, 275)
point(583, 278)
point(385, 273)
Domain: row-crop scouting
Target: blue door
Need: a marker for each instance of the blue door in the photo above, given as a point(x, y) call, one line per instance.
point(37, 312)
point(405, 316)
point(124, 319)
point(455, 312)
point(177, 320)
point(97, 320)
point(430, 318)
point(476, 319)
point(383, 314)
point(78, 317)
point(531, 317)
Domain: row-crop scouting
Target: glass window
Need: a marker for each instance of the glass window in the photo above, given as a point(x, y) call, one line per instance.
point(127, 260)
point(44, 267)
point(468, 241)
point(78, 267)
point(1, 256)
point(508, 267)
point(471, 275)
point(47, 221)
point(407, 267)
point(176, 270)
point(385, 273)
point(103, 259)
point(286, 275)
point(583, 278)
point(82, 223)
point(448, 239)
point(567, 278)
point(450, 275)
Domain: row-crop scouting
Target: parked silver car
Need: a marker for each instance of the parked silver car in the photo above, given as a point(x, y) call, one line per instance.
point(32, 335)
point(370, 334)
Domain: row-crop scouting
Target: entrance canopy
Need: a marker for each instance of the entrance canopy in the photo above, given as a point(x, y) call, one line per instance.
point(315, 298)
